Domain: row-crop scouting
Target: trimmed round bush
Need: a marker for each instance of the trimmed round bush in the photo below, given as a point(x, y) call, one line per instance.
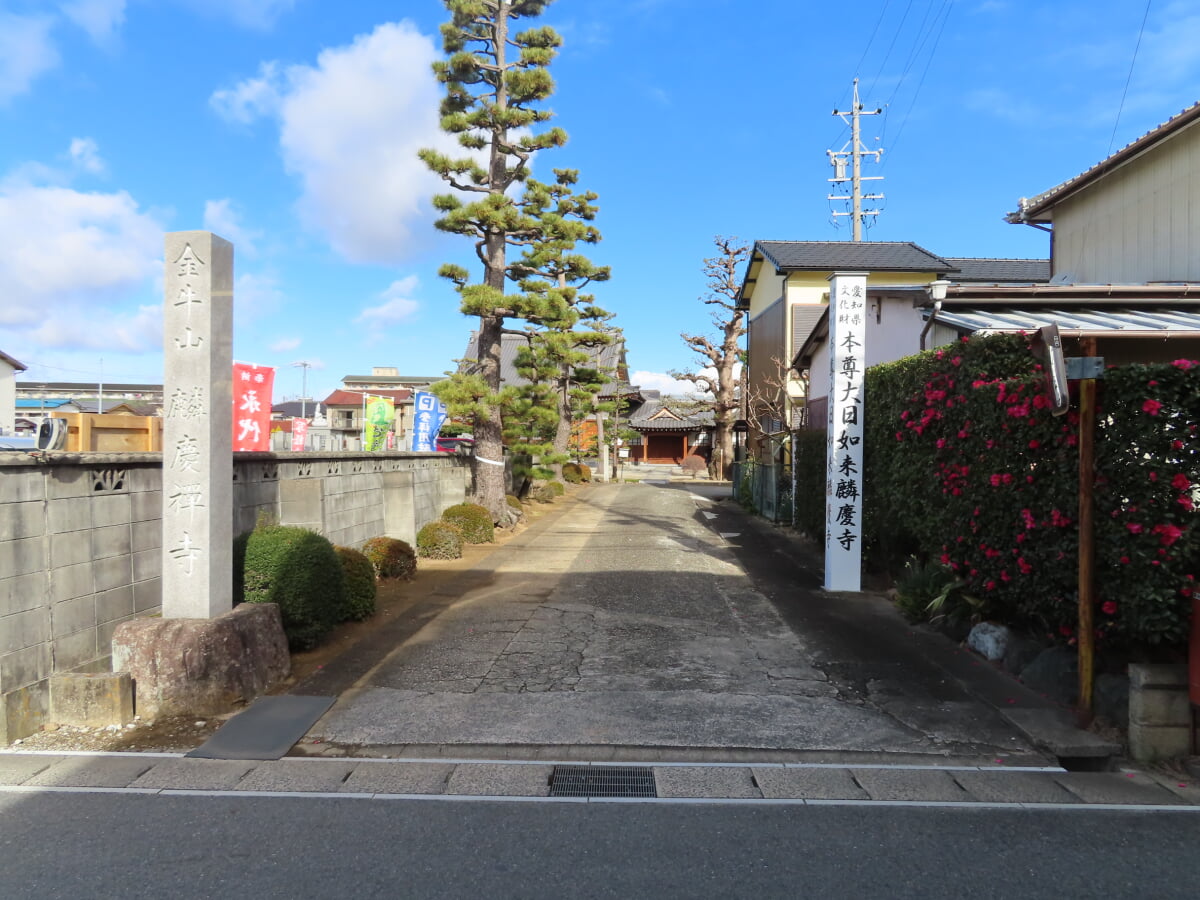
point(439, 540)
point(546, 491)
point(575, 473)
point(359, 577)
point(694, 464)
point(299, 570)
point(391, 558)
point(473, 521)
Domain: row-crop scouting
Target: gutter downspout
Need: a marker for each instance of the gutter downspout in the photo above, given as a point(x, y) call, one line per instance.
point(937, 308)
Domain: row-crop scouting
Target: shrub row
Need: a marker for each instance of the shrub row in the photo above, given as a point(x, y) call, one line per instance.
point(965, 465)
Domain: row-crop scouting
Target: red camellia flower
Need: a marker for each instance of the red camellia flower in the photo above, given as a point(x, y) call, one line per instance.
point(1154, 476)
point(1033, 445)
point(1180, 482)
point(1169, 534)
point(1185, 501)
point(1185, 364)
point(1152, 407)
point(995, 480)
point(1134, 527)
point(1124, 560)
point(1109, 607)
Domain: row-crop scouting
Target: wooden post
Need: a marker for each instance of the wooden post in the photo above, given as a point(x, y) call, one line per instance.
point(1086, 633)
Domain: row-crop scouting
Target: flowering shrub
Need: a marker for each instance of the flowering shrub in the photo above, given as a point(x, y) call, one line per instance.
point(965, 464)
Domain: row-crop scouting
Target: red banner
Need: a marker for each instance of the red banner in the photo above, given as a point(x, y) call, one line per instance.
point(252, 406)
point(299, 433)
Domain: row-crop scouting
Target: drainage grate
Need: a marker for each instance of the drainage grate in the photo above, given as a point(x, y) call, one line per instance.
point(602, 781)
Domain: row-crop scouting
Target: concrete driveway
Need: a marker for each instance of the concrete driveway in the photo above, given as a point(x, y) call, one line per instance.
point(632, 619)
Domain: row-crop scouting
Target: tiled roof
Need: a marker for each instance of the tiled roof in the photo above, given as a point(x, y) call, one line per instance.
point(392, 379)
point(355, 398)
point(1034, 210)
point(870, 256)
point(996, 271)
point(642, 418)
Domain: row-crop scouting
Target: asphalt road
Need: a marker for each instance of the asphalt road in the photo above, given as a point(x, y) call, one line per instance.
point(122, 846)
point(652, 616)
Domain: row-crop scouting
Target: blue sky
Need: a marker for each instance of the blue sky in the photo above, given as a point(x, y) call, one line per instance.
point(290, 128)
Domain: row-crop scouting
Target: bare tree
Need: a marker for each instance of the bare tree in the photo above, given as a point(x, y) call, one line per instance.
point(718, 374)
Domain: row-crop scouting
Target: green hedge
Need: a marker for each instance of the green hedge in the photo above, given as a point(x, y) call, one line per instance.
point(965, 464)
point(359, 576)
point(439, 540)
point(575, 473)
point(391, 558)
point(299, 570)
point(473, 521)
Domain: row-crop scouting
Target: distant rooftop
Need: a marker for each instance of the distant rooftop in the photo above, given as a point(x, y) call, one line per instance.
point(869, 256)
point(996, 271)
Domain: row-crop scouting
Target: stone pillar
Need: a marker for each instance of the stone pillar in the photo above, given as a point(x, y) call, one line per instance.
point(1160, 714)
point(844, 453)
point(197, 520)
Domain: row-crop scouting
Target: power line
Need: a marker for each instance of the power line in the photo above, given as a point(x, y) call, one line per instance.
point(948, 5)
point(1129, 78)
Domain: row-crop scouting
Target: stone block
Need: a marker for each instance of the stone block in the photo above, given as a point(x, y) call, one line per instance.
point(146, 507)
point(22, 520)
point(69, 481)
point(110, 509)
point(147, 595)
point(91, 701)
point(989, 640)
point(147, 564)
point(19, 486)
point(23, 592)
point(202, 666)
point(69, 548)
point(145, 536)
point(71, 616)
point(72, 514)
point(1160, 706)
point(70, 582)
point(1150, 742)
point(24, 629)
point(143, 479)
point(111, 540)
point(112, 572)
point(24, 667)
point(22, 557)
point(75, 650)
point(114, 604)
point(1143, 675)
point(23, 711)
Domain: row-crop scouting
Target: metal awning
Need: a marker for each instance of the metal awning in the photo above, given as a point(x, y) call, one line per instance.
point(1075, 321)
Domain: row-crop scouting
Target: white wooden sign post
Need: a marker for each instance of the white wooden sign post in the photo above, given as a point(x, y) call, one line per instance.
point(843, 483)
point(197, 520)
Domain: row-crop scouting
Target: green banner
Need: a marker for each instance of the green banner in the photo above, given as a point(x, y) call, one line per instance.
point(379, 414)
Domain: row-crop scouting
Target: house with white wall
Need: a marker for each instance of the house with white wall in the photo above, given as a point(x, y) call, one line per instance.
point(9, 367)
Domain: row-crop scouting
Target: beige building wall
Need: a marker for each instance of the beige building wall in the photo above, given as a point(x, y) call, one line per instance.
point(1140, 223)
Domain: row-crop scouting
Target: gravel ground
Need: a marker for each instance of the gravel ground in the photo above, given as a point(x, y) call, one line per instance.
point(176, 734)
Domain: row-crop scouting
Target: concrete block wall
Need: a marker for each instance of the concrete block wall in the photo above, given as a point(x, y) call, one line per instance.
point(79, 554)
point(80, 543)
point(1160, 712)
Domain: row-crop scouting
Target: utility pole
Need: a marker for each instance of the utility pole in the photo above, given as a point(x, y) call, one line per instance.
point(304, 365)
point(852, 153)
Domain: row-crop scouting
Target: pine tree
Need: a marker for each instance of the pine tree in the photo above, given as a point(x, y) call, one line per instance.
point(492, 104)
point(559, 360)
point(718, 375)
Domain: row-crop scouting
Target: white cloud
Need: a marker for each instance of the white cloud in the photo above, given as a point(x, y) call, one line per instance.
point(396, 307)
point(114, 331)
point(252, 98)
point(660, 381)
point(283, 345)
point(350, 128)
point(220, 217)
point(255, 295)
point(85, 154)
point(26, 51)
point(99, 18)
point(64, 253)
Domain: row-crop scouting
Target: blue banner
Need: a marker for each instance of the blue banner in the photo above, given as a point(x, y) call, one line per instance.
point(428, 416)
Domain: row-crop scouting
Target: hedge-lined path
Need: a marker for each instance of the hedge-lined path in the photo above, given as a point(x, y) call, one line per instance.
point(626, 620)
